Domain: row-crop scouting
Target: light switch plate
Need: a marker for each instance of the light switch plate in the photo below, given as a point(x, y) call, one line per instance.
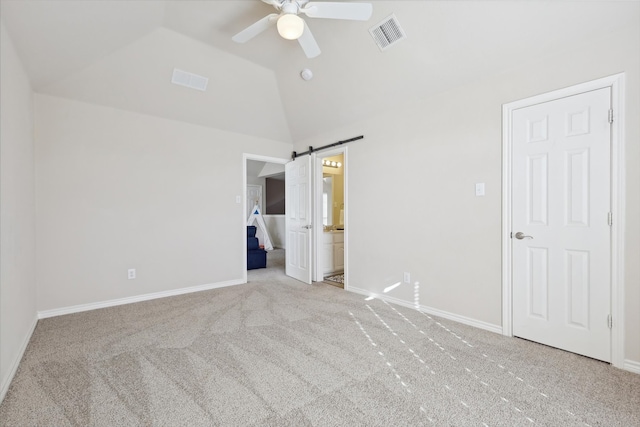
point(480, 189)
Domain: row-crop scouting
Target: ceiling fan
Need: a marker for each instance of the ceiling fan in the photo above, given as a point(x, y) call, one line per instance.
point(292, 27)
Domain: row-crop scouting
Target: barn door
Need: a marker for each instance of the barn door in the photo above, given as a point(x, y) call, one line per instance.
point(298, 219)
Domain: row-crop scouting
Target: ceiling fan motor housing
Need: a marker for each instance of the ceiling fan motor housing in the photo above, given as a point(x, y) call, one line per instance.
point(291, 7)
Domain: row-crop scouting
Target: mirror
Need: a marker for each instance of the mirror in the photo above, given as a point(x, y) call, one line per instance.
point(327, 200)
point(333, 192)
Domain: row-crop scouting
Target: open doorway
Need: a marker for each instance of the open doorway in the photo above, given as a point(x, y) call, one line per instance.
point(256, 167)
point(264, 185)
point(331, 212)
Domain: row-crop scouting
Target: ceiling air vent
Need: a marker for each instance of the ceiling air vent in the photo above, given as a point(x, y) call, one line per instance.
point(387, 32)
point(191, 80)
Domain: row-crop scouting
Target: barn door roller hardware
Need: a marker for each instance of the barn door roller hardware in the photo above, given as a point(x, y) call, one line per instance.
point(312, 150)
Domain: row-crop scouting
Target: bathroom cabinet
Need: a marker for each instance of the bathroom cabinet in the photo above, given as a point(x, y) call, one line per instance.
point(333, 252)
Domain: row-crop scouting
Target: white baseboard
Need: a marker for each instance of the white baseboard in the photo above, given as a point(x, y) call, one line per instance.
point(434, 311)
point(631, 366)
point(462, 319)
point(138, 298)
point(6, 381)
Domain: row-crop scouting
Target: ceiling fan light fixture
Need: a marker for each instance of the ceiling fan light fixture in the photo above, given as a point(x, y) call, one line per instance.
point(290, 26)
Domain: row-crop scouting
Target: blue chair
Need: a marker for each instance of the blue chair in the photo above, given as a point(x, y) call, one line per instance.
point(256, 256)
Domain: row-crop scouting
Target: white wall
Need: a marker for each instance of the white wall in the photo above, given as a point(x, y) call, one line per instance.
point(17, 212)
point(423, 217)
point(119, 190)
point(276, 226)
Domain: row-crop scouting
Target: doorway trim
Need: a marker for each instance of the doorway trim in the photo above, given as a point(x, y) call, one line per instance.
point(243, 234)
point(616, 83)
point(317, 212)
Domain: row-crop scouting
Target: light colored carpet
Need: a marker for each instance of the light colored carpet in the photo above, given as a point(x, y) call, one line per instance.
point(276, 352)
point(275, 267)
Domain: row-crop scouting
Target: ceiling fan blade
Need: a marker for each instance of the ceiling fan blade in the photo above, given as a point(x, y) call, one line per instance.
point(255, 29)
point(334, 10)
point(308, 43)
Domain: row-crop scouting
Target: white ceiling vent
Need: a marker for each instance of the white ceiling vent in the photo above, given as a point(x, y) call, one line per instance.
point(191, 80)
point(387, 32)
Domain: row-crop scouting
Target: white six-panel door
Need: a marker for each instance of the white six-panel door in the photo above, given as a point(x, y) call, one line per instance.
point(561, 203)
point(298, 219)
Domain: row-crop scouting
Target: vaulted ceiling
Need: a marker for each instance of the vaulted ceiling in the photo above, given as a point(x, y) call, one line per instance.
point(121, 54)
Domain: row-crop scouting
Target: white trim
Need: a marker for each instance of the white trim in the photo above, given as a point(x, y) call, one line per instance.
point(618, 229)
point(616, 83)
point(345, 183)
point(6, 381)
point(631, 366)
point(243, 230)
point(138, 298)
point(313, 203)
point(317, 219)
point(433, 311)
point(317, 211)
point(507, 310)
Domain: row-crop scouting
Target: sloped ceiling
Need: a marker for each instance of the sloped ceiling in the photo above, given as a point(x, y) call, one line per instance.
point(56, 38)
point(240, 97)
point(121, 54)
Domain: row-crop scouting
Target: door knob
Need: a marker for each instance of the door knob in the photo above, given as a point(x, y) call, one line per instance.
point(520, 235)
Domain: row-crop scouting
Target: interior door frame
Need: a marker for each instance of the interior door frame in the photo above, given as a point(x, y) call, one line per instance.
point(616, 83)
point(317, 212)
point(243, 234)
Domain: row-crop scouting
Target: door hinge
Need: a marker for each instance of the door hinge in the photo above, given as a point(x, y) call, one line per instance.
point(610, 219)
point(610, 321)
point(610, 115)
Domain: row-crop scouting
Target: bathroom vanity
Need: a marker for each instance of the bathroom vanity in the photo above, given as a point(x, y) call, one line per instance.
point(332, 252)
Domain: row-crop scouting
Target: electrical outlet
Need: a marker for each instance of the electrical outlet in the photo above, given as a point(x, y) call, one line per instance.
point(407, 277)
point(131, 273)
